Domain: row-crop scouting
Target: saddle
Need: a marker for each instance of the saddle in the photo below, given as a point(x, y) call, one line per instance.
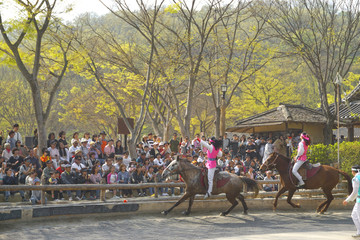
point(306, 171)
point(219, 179)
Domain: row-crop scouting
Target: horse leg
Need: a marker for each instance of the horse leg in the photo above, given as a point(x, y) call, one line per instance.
point(191, 201)
point(329, 197)
point(182, 199)
point(290, 195)
point(281, 191)
point(231, 199)
point(242, 200)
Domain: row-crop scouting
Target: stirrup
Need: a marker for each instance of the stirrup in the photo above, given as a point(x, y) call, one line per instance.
point(316, 165)
point(300, 186)
point(207, 195)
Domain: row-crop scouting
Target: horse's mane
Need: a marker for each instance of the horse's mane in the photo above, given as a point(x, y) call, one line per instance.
point(288, 160)
point(185, 161)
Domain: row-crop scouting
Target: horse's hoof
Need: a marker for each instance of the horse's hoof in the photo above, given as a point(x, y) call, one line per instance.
point(223, 214)
point(164, 213)
point(185, 213)
point(245, 213)
point(297, 206)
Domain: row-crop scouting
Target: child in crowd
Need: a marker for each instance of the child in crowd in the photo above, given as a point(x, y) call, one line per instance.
point(111, 179)
point(36, 194)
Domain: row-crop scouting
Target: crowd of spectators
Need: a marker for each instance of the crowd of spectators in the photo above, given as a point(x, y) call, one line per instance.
point(97, 159)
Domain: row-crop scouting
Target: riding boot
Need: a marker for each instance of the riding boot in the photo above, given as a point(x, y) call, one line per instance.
point(301, 184)
point(207, 195)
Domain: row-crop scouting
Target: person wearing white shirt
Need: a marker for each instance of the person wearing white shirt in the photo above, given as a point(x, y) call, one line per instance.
point(17, 135)
point(158, 160)
point(77, 165)
point(75, 146)
point(355, 215)
point(269, 148)
point(126, 159)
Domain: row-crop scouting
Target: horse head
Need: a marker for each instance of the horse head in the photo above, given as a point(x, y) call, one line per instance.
point(270, 162)
point(172, 168)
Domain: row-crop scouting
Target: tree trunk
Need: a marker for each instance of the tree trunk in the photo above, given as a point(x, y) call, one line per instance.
point(42, 138)
point(217, 122)
point(223, 117)
point(328, 132)
point(132, 148)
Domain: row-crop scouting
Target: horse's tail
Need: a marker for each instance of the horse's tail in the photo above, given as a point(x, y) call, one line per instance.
point(348, 178)
point(251, 185)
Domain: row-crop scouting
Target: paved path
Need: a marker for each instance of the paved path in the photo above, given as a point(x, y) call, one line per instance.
point(281, 225)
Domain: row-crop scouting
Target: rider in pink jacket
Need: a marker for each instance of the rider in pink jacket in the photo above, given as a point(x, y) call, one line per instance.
point(301, 158)
point(213, 152)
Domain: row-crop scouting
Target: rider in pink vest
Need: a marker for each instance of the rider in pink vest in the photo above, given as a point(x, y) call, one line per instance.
point(213, 152)
point(301, 158)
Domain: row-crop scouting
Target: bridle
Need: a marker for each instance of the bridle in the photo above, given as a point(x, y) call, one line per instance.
point(272, 165)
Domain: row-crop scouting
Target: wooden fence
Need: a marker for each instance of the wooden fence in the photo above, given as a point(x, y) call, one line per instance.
point(104, 187)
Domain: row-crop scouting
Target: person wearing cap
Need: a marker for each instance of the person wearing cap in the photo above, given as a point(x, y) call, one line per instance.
point(69, 177)
point(213, 152)
point(269, 149)
point(155, 150)
point(36, 194)
point(77, 165)
point(84, 148)
point(47, 172)
point(109, 148)
point(355, 215)
point(75, 146)
point(7, 153)
point(301, 158)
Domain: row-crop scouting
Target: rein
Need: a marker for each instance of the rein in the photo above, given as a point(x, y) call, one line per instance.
point(272, 165)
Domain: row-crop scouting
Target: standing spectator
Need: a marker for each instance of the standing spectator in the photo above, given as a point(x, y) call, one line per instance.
point(1, 137)
point(251, 149)
point(262, 147)
point(75, 137)
point(17, 135)
point(234, 145)
point(62, 139)
point(95, 178)
point(144, 141)
point(150, 140)
point(289, 146)
point(124, 178)
point(35, 140)
point(174, 144)
point(119, 150)
point(7, 153)
point(51, 137)
point(111, 179)
point(109, 148)
point(196, 142)
point(11, 179)
point(268, 149)
point(185, 146)
point(11, 139)
point(226, 142)
point(88, 139)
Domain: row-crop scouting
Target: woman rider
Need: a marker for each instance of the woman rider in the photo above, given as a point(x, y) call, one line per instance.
point(301, 157)
point(213, 151)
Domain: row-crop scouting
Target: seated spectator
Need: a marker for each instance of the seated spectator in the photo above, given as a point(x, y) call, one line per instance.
point(158, 161)
point(107, 166)
point(11, 179)
point(175, 178)
point(159, 179)
point(29, 180)
point(34, 161)
point(77, 166)
point(150, 178)
point(118, 163)
point(251, 173)
point(109, 148)
point(47, 172)
point(63, 152)
point(84, 148)
point(75, 146)
point(119, 150)
point(141, 159)
point(126, 159)
point(247, 163)
point(24, 171)
point(112, 178)
point(89, 163)
point(23, 150)
point(45, 157)
point(95, 178)
point(95, 150)
point(7, 153)
point(83, 178)
point(61, 168)
point(2, 169)
point(15, 160)
point(269, 187)
point(124, 178)
point(54, 180)
point(54, 153)
point(137, 177)
point(51, 137)
point(132, 165)
point(68, 177)
point(62, 139)
point(36, 194)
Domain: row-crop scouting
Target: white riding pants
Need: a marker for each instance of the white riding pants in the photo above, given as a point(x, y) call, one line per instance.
point(295, 169)
point(211, 172)
point(355, 215)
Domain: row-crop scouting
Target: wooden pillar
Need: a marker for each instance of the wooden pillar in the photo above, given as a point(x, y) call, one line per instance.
point(350, 133)
point(42, 197)
point(102, 195)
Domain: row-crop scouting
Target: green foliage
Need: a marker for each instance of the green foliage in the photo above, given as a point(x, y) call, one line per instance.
point(327, 154)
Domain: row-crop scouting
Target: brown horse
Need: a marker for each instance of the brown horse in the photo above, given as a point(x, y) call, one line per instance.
point(326, 178)
point(192, 178)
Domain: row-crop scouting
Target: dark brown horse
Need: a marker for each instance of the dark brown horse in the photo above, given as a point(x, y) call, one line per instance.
point(326, 178)
point(192, 178)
